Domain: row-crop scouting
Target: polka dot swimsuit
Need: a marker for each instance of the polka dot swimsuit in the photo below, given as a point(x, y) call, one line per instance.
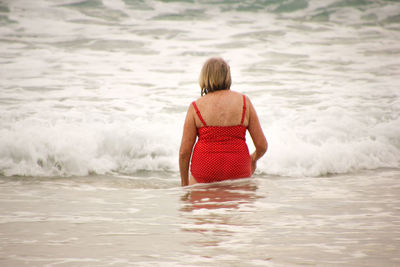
point(221, 152)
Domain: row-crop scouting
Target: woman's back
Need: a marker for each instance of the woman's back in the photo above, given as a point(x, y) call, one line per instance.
point(222, 108)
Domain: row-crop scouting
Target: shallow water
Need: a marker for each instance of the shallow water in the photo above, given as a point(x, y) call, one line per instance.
point(341, 220)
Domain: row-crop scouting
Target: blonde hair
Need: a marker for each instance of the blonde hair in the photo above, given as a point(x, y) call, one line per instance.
point(215, 75)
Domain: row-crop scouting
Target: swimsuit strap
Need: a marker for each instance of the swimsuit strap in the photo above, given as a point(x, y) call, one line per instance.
point(244, 109)
point(198, 113)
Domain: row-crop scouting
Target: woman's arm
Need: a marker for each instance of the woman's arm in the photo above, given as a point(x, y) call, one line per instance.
point(188, 139)
point(259, 140)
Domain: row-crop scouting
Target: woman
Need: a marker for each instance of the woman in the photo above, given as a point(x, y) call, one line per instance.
point(220, 119)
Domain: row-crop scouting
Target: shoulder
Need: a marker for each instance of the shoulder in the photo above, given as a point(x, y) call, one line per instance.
point(195, 104)
point(248, 101)
point(191, 108)
point(235, 93)
point(241, 95)
point(201, 102)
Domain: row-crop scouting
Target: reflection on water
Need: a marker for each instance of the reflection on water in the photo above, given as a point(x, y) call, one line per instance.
point(220, 217)
point(217, 211)
point(220, 195)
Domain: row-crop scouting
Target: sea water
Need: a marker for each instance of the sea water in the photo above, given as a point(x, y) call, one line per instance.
point(93, 96)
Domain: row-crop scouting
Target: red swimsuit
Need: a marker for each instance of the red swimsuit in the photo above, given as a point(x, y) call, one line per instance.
point(221, 152)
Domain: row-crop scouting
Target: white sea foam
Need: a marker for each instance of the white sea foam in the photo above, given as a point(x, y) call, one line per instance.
point(79, 149)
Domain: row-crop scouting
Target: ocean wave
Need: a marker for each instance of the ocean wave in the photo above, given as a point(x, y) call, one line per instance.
point(77, 149)
point(69, 149)
point(291, 155)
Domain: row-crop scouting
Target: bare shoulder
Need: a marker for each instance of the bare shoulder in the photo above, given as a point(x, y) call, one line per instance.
point(199, 100)
point(239, 94)
point(236, 93)
point(248, 101)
